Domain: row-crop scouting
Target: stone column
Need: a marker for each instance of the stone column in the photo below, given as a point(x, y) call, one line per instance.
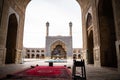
point(118, 54)
point(96, 35)
point(116, 7)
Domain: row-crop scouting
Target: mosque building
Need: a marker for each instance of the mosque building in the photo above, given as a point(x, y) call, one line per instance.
point(57, 47)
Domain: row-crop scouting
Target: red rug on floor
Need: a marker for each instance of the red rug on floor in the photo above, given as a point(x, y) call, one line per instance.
point(44, 73)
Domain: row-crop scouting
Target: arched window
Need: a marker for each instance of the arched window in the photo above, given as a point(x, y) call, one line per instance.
point(42, 56)
point(74, 56)
point(42, 51)
point(37, 56)
point(38, 51)
point(33, 55)
point(28, 50)
point(33, 51)
point(79, 56)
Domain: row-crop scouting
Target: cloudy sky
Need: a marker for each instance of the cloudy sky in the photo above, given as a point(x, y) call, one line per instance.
point(58, 13)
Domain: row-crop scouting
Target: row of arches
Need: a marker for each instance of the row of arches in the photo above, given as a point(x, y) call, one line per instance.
point(42, 56)
point(77, 56)
point(108, 56)
point(36, 51)
point(36, 56)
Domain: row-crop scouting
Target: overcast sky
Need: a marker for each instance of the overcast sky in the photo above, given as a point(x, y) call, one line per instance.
point(58, 13)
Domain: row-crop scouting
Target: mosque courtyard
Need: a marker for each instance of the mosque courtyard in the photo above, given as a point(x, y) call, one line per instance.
point(92, 72)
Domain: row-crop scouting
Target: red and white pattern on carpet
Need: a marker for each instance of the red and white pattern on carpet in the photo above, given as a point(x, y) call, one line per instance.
point(45, 73)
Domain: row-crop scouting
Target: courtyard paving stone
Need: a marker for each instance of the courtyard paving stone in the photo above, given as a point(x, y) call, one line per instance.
point(93, 73)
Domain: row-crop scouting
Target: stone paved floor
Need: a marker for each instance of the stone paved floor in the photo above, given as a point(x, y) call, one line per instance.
point(93, 73)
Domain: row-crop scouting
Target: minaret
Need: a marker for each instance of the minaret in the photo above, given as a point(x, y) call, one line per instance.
point(47, 30)
point(70, 25)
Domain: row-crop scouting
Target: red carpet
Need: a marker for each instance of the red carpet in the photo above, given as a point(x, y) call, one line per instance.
point(44, 73)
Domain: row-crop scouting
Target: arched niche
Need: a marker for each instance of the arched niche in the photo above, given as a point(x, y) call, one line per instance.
point(107, 33)
point(90, 46)
point(58, 50)
point(89, 20)
point(90, 42)
point(11, 39)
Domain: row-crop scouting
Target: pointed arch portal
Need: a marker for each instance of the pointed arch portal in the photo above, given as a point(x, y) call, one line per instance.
point(11, 39)
point(107, 33)
point(58, 50)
